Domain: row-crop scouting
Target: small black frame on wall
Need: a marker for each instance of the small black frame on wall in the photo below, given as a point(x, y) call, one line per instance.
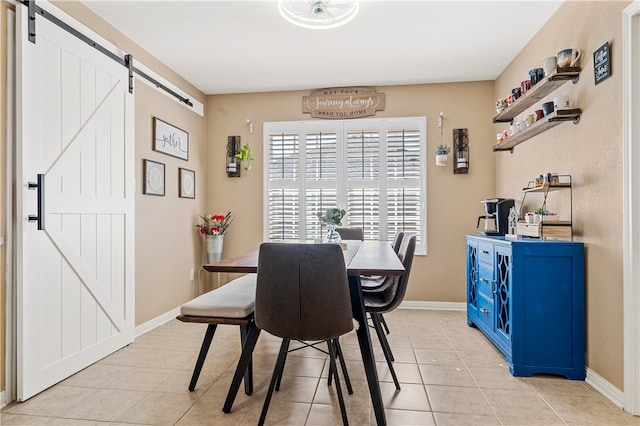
point(602, 63)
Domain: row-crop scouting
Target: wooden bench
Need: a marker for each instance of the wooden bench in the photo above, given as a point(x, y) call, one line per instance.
point(230, 304)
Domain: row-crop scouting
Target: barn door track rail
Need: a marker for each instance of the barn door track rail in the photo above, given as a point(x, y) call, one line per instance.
point(126, 61)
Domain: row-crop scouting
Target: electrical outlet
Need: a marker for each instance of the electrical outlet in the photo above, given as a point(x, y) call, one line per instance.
point(191, 274)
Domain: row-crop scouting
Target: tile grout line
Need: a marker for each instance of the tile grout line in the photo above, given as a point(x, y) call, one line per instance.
point(472, 376)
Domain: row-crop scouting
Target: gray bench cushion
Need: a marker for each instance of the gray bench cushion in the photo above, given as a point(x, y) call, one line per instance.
point(235, 299)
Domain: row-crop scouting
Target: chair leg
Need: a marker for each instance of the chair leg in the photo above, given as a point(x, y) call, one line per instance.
point(284, 347)
point(384, 324)
point(343, 366)
point(284, 361)
point(253, 333)
point(385, 347)
point(383, 342)
point(248, 375)
point(332, 366)
point(204, 349)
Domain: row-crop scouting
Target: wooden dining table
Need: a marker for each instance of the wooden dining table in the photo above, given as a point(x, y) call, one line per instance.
point(361, 258)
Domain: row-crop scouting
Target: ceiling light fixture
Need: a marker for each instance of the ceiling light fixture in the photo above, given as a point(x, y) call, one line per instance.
point(318, 14)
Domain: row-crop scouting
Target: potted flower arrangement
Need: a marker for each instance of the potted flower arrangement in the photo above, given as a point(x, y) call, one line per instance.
point(245, 155)
point(442, 154)
point(332, 218)
point(213, 228)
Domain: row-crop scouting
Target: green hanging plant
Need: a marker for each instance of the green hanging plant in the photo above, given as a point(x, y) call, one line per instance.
point(245, 156)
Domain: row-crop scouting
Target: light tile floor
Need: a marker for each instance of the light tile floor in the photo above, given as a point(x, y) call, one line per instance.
point(450, 375)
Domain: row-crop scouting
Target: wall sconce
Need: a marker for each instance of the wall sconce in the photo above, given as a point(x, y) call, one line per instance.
point(460, 151)
point(233, 146)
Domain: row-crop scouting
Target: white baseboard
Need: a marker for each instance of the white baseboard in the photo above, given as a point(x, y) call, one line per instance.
point(434, 306)
point(609, 391)
point(156, 322)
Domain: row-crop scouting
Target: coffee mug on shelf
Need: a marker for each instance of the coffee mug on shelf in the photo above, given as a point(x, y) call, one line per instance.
point(516, 92)
point(510, 99)
point(501, 104)
point(536, 75)
point(499, 138)
point(525, 85)
point(568, 57)
point(539, 114)
point(529, 120)
point(549, 65)
point(547, 108)
point(561, 102)
point(505, 135)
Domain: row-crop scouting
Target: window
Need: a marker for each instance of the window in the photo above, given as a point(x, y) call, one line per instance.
point(375, 169)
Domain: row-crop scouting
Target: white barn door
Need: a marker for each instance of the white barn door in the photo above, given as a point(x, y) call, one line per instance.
point(75, 278)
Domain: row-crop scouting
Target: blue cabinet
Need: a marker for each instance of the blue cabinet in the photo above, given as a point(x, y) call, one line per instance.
point(527, 298)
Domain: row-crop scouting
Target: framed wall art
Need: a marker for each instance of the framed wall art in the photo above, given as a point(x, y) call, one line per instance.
point(186, 183)
point(153, 178)
point(170, 140)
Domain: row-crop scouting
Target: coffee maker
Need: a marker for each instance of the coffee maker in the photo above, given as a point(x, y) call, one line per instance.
point(496, 217)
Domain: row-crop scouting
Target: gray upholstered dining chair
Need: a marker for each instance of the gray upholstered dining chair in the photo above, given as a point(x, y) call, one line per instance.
point(369, 283)
point(389, 296)
point(352, 233)
point(302, 293)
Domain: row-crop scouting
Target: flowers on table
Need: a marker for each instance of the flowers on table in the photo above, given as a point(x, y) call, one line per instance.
point(215, 224)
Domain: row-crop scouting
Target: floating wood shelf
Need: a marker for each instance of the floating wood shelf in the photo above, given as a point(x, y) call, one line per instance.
point(538, 92)
point(544, 124)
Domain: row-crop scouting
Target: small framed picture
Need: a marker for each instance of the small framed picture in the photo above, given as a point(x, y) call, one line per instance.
point(170, 140)
point(186, 183)
point(153, 178)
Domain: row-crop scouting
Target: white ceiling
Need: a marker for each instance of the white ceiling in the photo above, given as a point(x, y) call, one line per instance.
point(246, 46)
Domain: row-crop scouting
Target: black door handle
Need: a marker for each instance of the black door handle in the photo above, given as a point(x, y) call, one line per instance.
point(40, 187)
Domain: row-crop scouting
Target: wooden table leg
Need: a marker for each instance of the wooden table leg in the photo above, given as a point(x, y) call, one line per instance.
point(364, 340)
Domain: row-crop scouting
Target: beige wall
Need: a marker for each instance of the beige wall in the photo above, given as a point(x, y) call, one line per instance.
point(453, 201)
point(592, 153)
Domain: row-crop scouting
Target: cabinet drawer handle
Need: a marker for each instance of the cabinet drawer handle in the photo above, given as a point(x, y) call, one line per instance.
point(493, 289)
point(484, 280)
point(484, 311)
point(485, 251)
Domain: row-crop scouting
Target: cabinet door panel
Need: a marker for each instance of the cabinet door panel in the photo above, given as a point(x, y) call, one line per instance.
point(472, 281)
point(503, 293)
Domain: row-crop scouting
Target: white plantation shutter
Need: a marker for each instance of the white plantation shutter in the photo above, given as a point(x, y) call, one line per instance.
point(321, 171)
point(363, 181)
point(284, 189)
point(373, 168)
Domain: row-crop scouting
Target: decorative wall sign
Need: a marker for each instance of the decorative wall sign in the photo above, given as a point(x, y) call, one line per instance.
point(153, 178)
point(170, 140)
point(602, 63)
point(186, 183)
point(343, 102)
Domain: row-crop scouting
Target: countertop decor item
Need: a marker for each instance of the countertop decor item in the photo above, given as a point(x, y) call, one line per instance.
point(213, 228)
point(332, 218)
